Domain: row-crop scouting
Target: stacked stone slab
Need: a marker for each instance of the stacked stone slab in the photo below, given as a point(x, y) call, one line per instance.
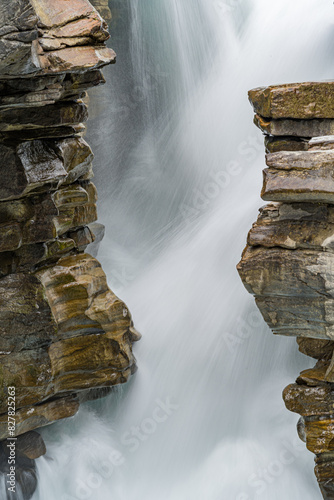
point(64, 336)
point(288, 263)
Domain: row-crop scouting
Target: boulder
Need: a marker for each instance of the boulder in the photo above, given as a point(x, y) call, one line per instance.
point(84, 334)
point(299, 176)
point(51, 36)
point(293, 289)
point(56, 115)
point(29, 418)
point(303, 101)
point(309, 401)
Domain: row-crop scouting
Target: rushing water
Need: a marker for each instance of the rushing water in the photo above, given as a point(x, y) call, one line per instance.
point(179, 172)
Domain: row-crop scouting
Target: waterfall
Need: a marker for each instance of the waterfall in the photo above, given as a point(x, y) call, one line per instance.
point(179, 169)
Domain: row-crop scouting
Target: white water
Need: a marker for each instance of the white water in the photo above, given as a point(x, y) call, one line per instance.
point(204, 346)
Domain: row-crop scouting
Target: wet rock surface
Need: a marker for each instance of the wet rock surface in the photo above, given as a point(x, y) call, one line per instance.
point(288, 261)
point(64, 336)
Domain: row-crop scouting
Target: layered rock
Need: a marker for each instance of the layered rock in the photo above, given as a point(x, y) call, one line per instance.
point(102, 6)
point(64, 336)
point(288, 264)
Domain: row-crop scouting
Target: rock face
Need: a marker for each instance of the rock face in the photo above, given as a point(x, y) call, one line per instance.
point(64, 336)
point(288, 264)
point(299, 101)
point(102, 6)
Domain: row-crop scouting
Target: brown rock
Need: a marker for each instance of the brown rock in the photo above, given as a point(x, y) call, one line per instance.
point(53, 13)
point(319, 435)
point(314, 377)
point(316, 348)
point(44, 90)
point(26, 320)
point(43, 218)
point(34, 165)
point(28, 371)
point(309, 401)
point(278, 272)
point(66, 39)
point(293, 289)
point(100, 310)
point(28, 257)
point(77, 58)
point(324, 471)
point(17, 17)
point(91, 28)
point(41, 415)
point(276, 144)
point(295, 128)
point(89, 332)
point(307, 100)
point(299, 177)
point(43, 133)
point(31, 445)
point(56, 115)
point(90, 361)
point(102, 6)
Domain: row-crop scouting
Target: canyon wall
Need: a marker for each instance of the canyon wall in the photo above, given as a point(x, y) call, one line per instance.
point(288, 264)
point(64, 335)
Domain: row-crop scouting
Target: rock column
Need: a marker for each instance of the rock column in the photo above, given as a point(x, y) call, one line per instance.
point(64, 336)
point(288, 264)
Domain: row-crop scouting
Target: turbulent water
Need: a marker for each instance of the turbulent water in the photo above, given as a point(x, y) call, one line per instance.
point(179, 172)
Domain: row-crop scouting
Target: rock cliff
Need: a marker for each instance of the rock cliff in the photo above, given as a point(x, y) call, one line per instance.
point(64, 335)
point(288, 264)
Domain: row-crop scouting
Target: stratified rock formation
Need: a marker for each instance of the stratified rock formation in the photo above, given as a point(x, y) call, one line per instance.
point(288, 264)
point(64, 336)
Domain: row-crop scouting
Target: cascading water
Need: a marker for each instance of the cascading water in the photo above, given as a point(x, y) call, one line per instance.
point(180, 171)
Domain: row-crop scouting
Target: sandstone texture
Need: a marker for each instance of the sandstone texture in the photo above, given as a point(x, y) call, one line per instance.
point(288, 263)
point(64, 335)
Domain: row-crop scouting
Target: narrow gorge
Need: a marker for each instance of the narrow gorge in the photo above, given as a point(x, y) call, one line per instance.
point(65, 337)
point(288, 264)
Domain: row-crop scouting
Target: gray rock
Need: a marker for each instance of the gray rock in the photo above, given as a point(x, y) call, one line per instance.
point(299, 176)
point(295, 128)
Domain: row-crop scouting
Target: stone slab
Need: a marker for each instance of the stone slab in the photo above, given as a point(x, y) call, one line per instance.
point(299, 177)
point(307, 100)
point(295, 128)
